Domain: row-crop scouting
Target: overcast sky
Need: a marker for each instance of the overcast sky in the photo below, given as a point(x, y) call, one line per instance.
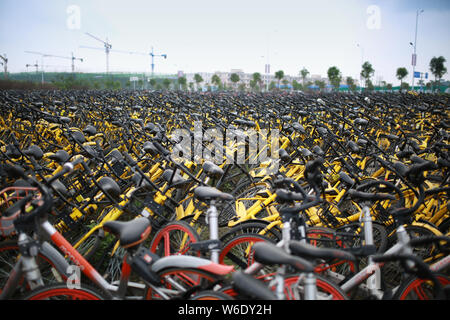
point(209, 36)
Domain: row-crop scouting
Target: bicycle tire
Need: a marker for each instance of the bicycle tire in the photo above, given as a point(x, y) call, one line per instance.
point(326, 289)
point(62, 292)
point(211, 295)
point(191, 280)
point(234, 252)
point(165, 241)
point(252, 226)
point(414, 288)
point(9, 250)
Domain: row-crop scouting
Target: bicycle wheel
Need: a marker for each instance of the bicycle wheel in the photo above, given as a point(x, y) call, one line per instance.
point(62, 292)
point(238, 251)
point(392, 272)
point(181, 283)
point(211, 295)
point(326, 289)
point(252, 226)
point(9, 252)
point(414, 288)
point(174, 238)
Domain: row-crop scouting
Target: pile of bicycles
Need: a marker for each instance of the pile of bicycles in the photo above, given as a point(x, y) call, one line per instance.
point(183, 195)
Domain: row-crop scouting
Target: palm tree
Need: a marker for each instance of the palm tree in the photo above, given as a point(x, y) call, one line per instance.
point(401, 74)
point(367, 71)
point(279, 75)
point(198, 79)
point(437, 68)
point(335, 77)
point(304, 73)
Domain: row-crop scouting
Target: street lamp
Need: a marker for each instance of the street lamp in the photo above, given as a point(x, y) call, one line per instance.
point(414, 45)
point(362, 61)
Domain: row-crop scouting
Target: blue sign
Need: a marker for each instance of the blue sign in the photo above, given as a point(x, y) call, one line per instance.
point(416, 74)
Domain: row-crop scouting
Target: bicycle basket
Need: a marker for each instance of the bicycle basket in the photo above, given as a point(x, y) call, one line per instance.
point(10, 207)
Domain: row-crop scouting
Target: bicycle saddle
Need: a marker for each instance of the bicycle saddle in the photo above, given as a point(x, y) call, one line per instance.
point(353, 146)
point(210, 193)
point(90, 130)
point(78, 136)
point(307, 251)
point(177, 178)
point(111, 187)
point(212, 170)
point(318, 151)
point(60, 156)
point(284, 156)
point(60, 188)
point(34, 151)
point(150, 148)
point(269, 254)
point(130, 233)
point(251, 287)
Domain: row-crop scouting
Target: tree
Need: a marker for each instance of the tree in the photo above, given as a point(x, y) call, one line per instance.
point(389, 86)
point(351, 83)
point(320, 84)
point(401, 74)
point(234, 77)
point(335, 77)
point(182, 82)
point(437, 68)
point(257, 78)
point(285, 83)
point(279, 75)
point(367, 71)
point(216, 80)
point(296, 85)
point(152, 82)
point(166, 83)
point(198, 79)
point(304, 73)
point(191, 86)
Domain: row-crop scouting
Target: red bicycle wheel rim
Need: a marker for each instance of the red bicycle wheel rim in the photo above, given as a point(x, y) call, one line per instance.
point(322, 286)
point(232, 244)
point(73, 294)
point(416, 288)
point(164, 235)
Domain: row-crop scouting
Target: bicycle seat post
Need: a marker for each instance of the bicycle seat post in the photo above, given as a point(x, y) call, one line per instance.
point(374, 281)
point(213, 221)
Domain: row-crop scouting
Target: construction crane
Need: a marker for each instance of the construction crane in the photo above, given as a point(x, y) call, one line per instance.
point(5, 64)
point(33, 65)
point(151, 54)
point(45, 55)
point(107, 46)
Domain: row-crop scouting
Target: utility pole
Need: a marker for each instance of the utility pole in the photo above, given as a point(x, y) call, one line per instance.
point(5, 64)
point(362, 61)
point(414, 56)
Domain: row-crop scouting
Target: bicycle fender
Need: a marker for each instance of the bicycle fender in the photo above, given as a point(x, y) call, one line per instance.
point(190, 262)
